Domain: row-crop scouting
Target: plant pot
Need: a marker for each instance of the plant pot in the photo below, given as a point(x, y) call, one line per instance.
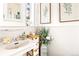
point(44, 50)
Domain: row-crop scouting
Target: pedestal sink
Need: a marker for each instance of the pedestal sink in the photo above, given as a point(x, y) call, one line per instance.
point(16, 44)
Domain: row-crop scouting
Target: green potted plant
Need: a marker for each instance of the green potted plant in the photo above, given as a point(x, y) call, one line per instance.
point(43, 33)
point(44, 39)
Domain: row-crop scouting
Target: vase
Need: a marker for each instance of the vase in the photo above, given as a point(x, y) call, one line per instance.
point(44, 50)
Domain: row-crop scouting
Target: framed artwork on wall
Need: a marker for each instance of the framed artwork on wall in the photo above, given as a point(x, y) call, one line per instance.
point(68, 12)
point(28, 13)
point(18, 12)
point(12, 11)
point(45, 13)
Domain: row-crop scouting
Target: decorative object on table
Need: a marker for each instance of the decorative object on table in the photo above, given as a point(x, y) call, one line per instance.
point(45, 13)
point(68, 12)
point(44, 39)
point(32, 36)
point(12, 12)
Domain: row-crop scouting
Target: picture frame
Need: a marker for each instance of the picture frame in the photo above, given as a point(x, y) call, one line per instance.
point(25, 9)
point(28, 8)
point(68, 12)
point(12, 12)
point(45, 13)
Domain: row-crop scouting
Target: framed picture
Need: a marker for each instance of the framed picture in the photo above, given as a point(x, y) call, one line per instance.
point(28, 13)
point(12, 11)
point(18, 12)
point(68, 12)
point(45, 13)
point(27, 10)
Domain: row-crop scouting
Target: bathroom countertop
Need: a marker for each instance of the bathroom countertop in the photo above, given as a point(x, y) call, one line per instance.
point(16, 51)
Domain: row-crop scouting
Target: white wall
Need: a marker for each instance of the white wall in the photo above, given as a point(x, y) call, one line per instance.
point(65, 42)
point(66, 35)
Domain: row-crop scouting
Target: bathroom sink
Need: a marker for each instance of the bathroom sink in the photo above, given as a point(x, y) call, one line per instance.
point(16, 44)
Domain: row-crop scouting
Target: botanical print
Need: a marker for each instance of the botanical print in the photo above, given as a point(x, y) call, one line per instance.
point(45, 13)
point(68, 8)
point(69, 12)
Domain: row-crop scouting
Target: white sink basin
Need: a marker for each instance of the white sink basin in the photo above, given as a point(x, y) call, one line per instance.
point(16, 44)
